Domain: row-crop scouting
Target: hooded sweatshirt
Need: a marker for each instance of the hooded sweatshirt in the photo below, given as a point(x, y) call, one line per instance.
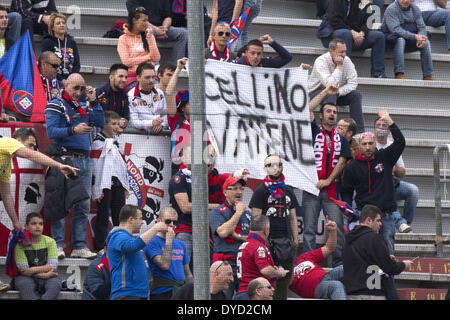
point(372, 178)
point(131, 50)
point(129, 275)
point(364, 248)
point(67, 51)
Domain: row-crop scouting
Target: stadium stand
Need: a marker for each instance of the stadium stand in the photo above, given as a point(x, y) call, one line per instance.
point(420, 109)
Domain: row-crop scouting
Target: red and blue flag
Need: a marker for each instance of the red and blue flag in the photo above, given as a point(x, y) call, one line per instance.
point(347, 210)
point(21, 86)
point(237, 26)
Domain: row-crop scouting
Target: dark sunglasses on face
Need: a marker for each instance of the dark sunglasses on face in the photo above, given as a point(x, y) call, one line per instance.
point(54, 65)
point(169, 221)
point(82, 88)
point(221, 33)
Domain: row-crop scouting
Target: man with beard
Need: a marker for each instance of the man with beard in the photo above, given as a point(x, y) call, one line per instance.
point(112, 96)
point(331, 153)
point(370, 175)
point(276, 200)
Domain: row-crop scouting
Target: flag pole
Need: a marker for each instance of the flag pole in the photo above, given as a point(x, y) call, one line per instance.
point(200, 214)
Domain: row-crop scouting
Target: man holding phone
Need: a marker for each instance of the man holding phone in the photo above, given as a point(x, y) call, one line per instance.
point(69, 125)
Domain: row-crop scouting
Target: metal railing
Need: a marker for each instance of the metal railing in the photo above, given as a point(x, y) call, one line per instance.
point(439, 240)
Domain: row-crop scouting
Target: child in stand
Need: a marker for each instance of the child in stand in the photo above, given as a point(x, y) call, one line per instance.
point(37, 263)
point(110, 178)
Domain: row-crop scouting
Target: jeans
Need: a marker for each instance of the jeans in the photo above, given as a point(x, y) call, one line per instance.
point(187, 240)
point(80, 210)
point(410, 193)
point(179, 36)
point(387, 230)
point(14, 25)
point(352, 99)
point(310, 210)
point(402, 45)
point(254, 12)
point(28, 286)
point(439, 17)
point(331, 286)
point(373, 39)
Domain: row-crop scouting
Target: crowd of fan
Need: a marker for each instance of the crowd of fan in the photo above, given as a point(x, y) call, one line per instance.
point(254, 251)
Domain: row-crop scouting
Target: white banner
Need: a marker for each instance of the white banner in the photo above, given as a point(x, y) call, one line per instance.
point(252, 112)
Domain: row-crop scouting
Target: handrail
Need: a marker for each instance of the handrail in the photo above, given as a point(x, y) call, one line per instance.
point(437, 200)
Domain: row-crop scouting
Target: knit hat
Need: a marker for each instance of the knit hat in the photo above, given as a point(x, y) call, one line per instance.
point(181, 98)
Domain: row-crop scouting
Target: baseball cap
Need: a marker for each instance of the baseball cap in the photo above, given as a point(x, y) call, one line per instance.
point(231, 181)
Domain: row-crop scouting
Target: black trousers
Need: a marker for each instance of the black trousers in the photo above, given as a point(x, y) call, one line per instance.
point(114, 200)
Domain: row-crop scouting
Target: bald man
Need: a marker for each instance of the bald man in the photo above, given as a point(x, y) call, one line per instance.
point(69, 124)
point(220, 277)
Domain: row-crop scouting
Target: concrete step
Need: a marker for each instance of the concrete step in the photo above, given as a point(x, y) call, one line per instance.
point(71, 269)
point(63, 295)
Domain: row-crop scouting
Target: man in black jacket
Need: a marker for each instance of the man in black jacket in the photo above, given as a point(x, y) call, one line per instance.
point(370, 174)
point(112, 95)
point(348, 20)
point(365, 253)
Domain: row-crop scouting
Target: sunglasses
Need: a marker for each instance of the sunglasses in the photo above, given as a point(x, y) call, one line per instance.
point(169, 221)
point(54, 65)
point(273, 164)
point(221, 33)
point(140, 9)
point(82, 88)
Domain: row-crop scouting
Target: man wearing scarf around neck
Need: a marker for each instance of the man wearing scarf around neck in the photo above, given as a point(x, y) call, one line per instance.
point(69, 124)
point(277, 201)
point(218, 49)
point(331, 153)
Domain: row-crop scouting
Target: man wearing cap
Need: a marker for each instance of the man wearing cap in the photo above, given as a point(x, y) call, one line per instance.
point(370, 175)
point(278, 202)
point(230, 225)
point(331, 152)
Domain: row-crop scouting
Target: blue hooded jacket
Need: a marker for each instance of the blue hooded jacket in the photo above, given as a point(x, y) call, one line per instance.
point(129, 273)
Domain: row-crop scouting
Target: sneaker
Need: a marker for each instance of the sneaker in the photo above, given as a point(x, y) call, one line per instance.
point(84, 253)
point(61, 253)
point(3, 287)
point(400, 76)
point(428, 78)
point(404, 228)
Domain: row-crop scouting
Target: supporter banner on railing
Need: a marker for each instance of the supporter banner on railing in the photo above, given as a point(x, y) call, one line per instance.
point(252, 112)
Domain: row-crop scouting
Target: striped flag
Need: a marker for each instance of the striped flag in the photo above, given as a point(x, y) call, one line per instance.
point(237, 26)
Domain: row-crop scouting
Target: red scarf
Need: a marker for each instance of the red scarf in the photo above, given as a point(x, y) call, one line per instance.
point(324, 145)
point(76, 103)
point(213, 49)
point(275, 187)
